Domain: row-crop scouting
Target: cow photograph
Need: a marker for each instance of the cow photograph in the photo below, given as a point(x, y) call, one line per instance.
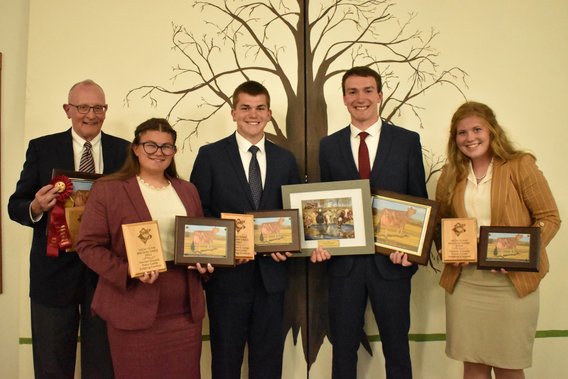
point(508, 246)
point(272, 230)
point(399, 225)
point(207, 241)
point(328, 218)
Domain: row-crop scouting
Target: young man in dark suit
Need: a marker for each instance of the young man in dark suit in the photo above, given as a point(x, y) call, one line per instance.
point(61, 286)
point(391, 158)
point(245, 303)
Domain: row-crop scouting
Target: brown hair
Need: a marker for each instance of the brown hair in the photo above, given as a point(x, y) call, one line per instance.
point(131, 166)
point(250, 88)
point(365, 72)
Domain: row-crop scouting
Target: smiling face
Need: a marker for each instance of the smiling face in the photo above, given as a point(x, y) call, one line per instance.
point(251, 113)
point(88, 125)
point(156, 163)
point(473, 138)
point(362, 100)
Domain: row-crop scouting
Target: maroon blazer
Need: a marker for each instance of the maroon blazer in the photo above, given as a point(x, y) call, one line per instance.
point(127, 303)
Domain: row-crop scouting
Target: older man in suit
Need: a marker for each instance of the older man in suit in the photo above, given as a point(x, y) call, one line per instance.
point(396, 157)
point(237, 174)
point(61, 286)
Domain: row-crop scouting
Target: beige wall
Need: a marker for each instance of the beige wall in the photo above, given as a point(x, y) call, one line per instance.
point(513, 51)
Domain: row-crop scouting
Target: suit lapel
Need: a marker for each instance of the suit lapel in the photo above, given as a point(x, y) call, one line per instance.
point(234, 159)
point(383, 150)
point(499, 191)
point(65, 155)
point(345, 153)
point(458, 200)
point(137, 200)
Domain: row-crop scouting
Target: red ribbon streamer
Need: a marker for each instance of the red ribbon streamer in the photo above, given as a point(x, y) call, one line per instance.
point(58, 236)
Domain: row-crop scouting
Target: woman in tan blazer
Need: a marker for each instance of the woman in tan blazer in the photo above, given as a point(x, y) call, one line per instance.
point(491, 317)
point(153, 321)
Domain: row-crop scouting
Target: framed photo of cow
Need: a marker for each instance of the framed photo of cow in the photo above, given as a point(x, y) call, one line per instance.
point(276, 231)
point(404, 223)
point(204, 240)
point(74, 188)
point(510, 248)
point(333, 215)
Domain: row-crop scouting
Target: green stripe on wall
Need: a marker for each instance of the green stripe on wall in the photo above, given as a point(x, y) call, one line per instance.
point(432, 337)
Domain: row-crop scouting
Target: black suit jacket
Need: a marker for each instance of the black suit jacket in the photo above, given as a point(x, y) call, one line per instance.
point(221, 181)
point(55, 281)
point(397, 167)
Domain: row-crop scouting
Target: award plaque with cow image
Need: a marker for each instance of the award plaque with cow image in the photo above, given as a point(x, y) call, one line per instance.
point(276, 231)
point(143, 248)
point(509, 248)
point(204, 240)
point(404, 223)
point(459, 240)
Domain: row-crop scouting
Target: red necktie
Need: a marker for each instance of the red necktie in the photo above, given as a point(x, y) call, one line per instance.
point(364, 163)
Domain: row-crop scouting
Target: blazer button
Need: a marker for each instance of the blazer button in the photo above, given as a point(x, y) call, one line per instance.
point(541, 224)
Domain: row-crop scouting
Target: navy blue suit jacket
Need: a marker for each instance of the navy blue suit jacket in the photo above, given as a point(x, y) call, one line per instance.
point(55, 281)
point(220, 178)
point(398, 167)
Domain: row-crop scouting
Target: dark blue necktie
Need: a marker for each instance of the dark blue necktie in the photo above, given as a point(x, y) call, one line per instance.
point(255, 180)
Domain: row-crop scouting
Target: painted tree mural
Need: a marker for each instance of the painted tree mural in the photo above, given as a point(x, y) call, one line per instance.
point(298, 47)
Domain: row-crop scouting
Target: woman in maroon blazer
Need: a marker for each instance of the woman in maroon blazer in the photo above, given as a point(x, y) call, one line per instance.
point(491, 317)
point(154, 321)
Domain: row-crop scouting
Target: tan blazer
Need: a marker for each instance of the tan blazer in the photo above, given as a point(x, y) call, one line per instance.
point(520, 196)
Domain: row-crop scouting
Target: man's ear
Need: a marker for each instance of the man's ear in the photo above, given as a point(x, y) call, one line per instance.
point(66, 108)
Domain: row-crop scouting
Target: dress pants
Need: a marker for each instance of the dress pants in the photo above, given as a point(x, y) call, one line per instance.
point(252, 317)
point(390, 302)
point(54, 341)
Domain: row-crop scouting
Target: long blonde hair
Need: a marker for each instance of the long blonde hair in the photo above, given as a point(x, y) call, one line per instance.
point(500, 145)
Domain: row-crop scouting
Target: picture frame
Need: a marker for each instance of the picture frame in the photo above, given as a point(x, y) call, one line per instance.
point(508, 247)
point(204, 240)
point(404, 223)
point(333, 215)
point(276, 231)
point(74, 206)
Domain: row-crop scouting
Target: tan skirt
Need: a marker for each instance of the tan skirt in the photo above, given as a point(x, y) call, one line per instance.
point(487, 323)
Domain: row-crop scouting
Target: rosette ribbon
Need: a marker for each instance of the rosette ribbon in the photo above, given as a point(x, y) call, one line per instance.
point(58, 236)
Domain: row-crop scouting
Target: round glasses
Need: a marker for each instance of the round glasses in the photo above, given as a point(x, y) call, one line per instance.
point(152, 148)
point(84, 108)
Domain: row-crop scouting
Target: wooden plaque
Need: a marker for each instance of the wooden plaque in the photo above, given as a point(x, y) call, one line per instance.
point(143, 248)
point(459, 240)
point(244, 234)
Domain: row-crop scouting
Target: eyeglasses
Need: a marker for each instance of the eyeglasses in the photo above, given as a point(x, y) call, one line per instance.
point(152, 148)
point(84, 108)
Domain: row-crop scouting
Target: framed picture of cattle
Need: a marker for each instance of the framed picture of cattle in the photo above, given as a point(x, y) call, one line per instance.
point(510, 248)
point(204, 240)
point(276, 231)
point(333, 215)
point(403, 223)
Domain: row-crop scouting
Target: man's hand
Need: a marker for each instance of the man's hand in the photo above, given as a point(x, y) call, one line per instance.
point(44, 200)
point(319, 255)
point(399, 258)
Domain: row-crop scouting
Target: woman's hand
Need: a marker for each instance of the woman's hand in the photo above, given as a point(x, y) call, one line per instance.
point(281, 257)
point(208, 269)
point(500, 271)
point(149, 277)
